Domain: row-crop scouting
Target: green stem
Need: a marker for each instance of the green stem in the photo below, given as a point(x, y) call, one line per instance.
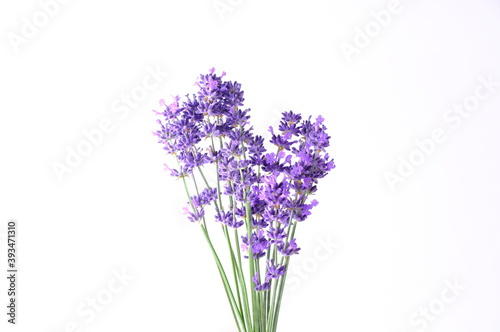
point(282, 285)
point(234, 307)
point(239, 278)
point(251, 261)
point(270, 318)
point(234, 264)
point(243, 284)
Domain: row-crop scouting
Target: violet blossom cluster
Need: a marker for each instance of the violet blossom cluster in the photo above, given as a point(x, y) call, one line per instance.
point(265, 190)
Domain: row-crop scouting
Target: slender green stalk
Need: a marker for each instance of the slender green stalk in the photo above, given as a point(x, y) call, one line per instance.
point(264, 310)
point(239, 278)
point(260, 303)
point(251, 262)
point(234, 265)
point(282, 284)
point(280, 295)
point(248, 317)
point(270, 318)
point(234, 306)
point(268, 293)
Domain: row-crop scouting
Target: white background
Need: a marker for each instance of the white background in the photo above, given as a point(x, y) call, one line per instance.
point(118, 209)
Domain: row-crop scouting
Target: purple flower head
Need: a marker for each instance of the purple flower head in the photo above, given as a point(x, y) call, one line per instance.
point(206, 197)
point(240, 136)
point(280, 215)
point(289, 248)
point(300, 210)
point(258, 243)
point(275, 271)
point(173, 108)
point(259, 287)
point(276, 235)
point(257, 146)
point(319, 121)
point(196, 216)
point(289, 124)
point(194, 158)
point(275, 193)
point(306, 209)
point(281, 141)
point(183, 172)
point(238, 118)
point(228, 219)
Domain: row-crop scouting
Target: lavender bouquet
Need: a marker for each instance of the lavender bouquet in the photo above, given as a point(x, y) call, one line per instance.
point(256, 197)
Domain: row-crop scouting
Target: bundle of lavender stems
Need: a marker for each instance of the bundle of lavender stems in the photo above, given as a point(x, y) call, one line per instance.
point(256, 197)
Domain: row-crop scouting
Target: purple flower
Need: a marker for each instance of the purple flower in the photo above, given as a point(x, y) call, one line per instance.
point(276, 235)
point(258, 243)
point(289, 123)
point(184, 171)
point(259, 287)
point(282, 142)
point(227, 218)
point(275, 271)
point(238, 118)
point(289, 248)
point(257, 146)
point(194, 158)
point(206, 197)
point(275, 193)
point(196, 216)
point(279, 215)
